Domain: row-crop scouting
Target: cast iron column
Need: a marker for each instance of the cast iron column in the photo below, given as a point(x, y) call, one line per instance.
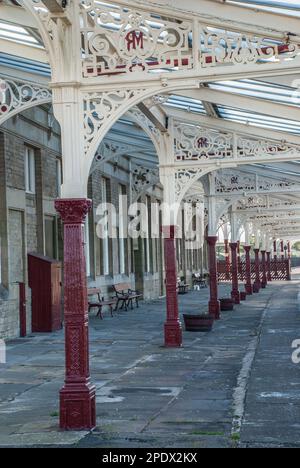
point(214, 303)
point(77, 397)
point(257, 283)
point(269, 274)
point(173, 330)
point(240, 269)
point(235, 294)
point(248, 285)
point(227, 259)
point(264, 281)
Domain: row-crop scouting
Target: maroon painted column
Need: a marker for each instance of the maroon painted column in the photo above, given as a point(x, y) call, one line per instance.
point(214, 304)
point(257, 283)
point(289, 249)
point(77, 397)
point(240, 269)
point(235, 293)
point(264, 281)
point(173, 330)
point(227, 259)
point(269, 273)
point(248, 285)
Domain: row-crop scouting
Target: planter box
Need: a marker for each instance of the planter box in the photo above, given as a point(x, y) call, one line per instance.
point(198, 323)
point(226, 304)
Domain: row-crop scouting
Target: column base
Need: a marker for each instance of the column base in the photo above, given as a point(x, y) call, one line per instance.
point(249, 289)
point(77, 407)
point(173, 334)
point(235, 295)
point(256, 287)
point(264, 284)
point(214, 308)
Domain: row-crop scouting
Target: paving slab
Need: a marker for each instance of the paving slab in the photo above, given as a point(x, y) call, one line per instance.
point(149, 396)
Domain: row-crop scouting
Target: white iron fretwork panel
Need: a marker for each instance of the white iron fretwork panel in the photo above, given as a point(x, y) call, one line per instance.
point(124, 40)
point(101, 111)
point(250, 147)
point(194, 142)
point(232, 182)
point(17, 96)
point(144, 180)
point(184, 180)
point(228, 47)
point(258, 203)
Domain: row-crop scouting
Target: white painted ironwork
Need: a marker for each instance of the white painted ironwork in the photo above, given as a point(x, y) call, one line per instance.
point(17, 96)
point(198, 143)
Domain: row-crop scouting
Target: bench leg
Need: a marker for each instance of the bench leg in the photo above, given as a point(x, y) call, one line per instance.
point(99, 314)
point(137, 302)
point(111, 310)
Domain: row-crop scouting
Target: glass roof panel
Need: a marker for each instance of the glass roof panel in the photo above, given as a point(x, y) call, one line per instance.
point(187, 104)
point(259, 120)
point(259, 90)
point(288, 7)
point(11, 32)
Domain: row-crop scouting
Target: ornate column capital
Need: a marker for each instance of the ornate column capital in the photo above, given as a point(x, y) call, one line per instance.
point(247, 248)
point(73, 210)
point(233, 245)
point(212, 240)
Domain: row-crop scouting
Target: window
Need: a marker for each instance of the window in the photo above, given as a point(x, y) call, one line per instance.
point(50, 237)
point(122, 231)
point(29, 170)
point(148, 238)
point(105, 244)
point(87, 247)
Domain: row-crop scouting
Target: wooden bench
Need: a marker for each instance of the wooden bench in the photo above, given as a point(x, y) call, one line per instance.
point(100, 302)
point(126, 295)
point(199, 280)
point(182, 287)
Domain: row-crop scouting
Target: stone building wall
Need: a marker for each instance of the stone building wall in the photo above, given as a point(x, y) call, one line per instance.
point(28, 221)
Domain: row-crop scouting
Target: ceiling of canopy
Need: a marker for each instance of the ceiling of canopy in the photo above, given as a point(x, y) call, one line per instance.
point(22, 55)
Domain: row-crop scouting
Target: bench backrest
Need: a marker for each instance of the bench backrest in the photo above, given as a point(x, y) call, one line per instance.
point(122, 287)
point(93, 291)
